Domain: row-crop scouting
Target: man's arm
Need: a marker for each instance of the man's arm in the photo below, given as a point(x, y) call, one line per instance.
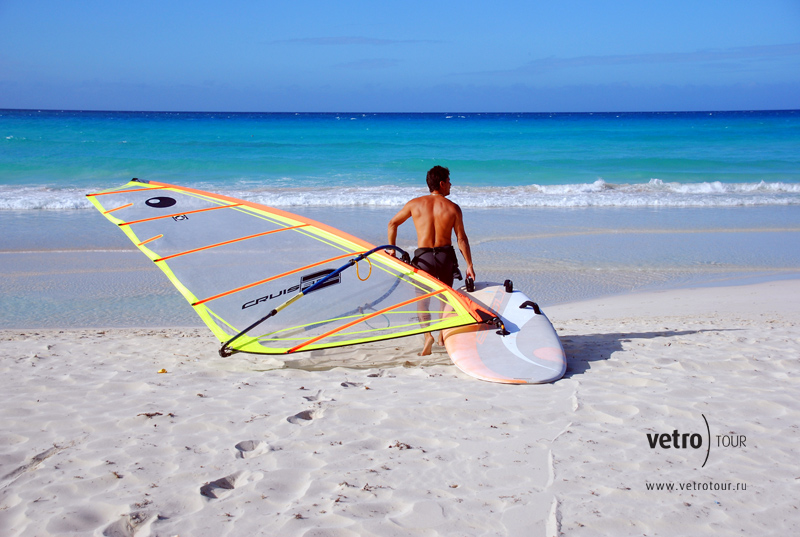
point(402, 215)
point(463, 242)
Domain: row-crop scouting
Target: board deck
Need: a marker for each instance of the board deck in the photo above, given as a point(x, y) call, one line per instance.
point(530, 353)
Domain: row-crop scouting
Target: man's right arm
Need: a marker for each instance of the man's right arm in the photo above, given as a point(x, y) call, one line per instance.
point(402, 215)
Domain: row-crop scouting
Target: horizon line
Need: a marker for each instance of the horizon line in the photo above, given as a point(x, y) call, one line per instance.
point(720, 111)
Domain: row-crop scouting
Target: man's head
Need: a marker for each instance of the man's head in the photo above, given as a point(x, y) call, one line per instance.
point(436, 176)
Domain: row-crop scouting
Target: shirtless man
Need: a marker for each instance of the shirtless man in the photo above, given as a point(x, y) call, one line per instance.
point(435, 218)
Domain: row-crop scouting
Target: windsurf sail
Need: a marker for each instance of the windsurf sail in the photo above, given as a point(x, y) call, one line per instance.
point(267, 281)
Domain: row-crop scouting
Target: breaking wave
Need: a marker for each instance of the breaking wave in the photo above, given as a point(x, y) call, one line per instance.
point(655, 193)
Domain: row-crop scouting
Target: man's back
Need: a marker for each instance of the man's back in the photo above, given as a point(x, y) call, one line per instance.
point(434, 219)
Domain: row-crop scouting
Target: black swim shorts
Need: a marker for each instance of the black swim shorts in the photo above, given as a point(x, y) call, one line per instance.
point(441, 263)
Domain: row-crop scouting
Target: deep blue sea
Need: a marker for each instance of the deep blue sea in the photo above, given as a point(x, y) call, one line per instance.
point(570, 206)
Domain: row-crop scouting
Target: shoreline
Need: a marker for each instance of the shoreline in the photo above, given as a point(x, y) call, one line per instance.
point(375, 440)
point(111, 289)
point(556, 256)
point(101, 280)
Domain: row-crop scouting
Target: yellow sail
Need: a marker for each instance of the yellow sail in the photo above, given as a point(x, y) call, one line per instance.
point(271, 282)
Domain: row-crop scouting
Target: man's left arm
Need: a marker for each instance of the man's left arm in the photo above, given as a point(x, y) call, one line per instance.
point(463, 242)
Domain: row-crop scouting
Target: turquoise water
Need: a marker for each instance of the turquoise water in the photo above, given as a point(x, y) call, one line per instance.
point(48, 159)
point(569, 206)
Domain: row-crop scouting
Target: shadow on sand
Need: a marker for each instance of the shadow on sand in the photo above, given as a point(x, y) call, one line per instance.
point(582, 350)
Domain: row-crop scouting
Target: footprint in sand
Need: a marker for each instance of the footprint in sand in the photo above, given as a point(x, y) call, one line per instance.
point(305, 417)
point(316, 397)
point(129, 524)
point(224, 486)
point(247, 449)
point(352, 384)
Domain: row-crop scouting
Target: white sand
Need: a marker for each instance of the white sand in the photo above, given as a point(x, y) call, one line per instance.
point(94, 441)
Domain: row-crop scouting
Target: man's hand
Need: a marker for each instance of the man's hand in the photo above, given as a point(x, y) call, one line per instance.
point(471, 272)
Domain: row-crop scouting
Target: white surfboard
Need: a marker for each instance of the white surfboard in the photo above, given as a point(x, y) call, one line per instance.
point(530, 353)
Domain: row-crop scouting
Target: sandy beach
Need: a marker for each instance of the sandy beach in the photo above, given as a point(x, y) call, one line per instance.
point(148, 432)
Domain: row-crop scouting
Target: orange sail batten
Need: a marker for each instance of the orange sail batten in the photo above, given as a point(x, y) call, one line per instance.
point(260, 282)
point(364, 318)
point(232, 241)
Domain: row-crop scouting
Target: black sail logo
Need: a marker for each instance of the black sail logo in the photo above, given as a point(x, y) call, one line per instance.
point(311, 279)
point(161, 202)
point(306, 282)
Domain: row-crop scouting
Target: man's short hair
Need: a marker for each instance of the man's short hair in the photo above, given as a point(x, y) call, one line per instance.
point(436, 175)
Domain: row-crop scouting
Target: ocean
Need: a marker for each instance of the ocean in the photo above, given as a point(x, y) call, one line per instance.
point(569, 206)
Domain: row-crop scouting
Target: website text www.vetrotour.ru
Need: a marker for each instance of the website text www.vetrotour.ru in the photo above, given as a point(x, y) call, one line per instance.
point(695, 486)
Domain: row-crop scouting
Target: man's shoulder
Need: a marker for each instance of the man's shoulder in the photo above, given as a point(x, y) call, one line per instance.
point(432, 200)
point(452, 204)
point(416, 202)
point(423, 200)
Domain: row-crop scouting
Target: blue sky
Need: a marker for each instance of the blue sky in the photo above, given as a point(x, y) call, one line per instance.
point(400, 56)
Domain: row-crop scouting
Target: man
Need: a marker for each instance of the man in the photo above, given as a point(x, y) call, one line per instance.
point(435, 218)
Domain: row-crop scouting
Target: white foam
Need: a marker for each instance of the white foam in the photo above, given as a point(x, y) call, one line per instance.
point(27, 198)
point(655, 193)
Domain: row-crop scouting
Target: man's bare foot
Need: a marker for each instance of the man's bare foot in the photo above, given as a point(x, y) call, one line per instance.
point(440, 342)
point(426, 348)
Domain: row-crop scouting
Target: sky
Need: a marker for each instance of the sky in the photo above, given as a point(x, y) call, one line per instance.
point(400, 56)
